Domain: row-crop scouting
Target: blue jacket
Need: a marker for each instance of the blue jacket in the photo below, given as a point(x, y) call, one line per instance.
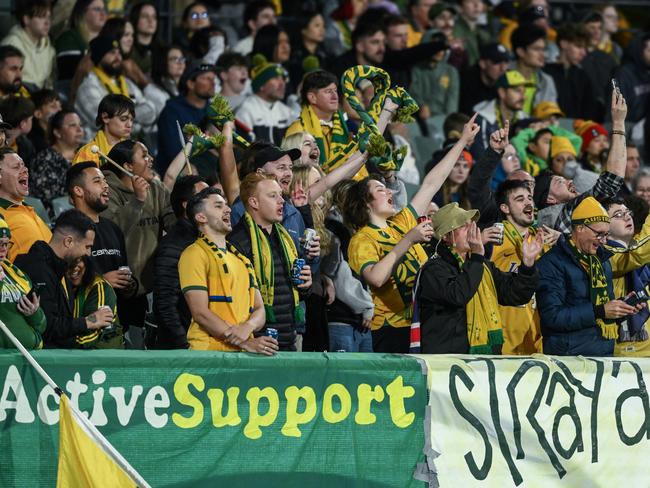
point(169, 141)
point(567, 315)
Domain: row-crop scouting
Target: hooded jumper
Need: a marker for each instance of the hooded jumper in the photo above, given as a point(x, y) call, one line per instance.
point(142, 224)
point(39, 57)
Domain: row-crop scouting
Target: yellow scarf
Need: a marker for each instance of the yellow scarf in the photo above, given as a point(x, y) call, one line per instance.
point(85, 152)
point(265, 270)
point(118, 88)
point(484, 328)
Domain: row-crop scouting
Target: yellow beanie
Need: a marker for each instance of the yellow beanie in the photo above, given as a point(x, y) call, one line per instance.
point(560, 144)
point(4, 229)
point(589, 211)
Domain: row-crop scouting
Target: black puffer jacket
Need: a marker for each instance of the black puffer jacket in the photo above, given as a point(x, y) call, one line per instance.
point(43, 266)
point(444, 291)
point(283, 293)
point(173, 316)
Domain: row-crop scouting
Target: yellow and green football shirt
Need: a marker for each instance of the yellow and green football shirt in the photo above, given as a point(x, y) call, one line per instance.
point(226, 278)
point(393, 300)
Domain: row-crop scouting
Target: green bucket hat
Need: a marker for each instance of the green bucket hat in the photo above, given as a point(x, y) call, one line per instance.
point(451, 217)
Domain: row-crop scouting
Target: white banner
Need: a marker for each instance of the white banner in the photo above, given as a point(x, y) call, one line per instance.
point(542, 421)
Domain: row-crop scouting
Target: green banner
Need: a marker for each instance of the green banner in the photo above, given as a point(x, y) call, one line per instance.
point(190, 418)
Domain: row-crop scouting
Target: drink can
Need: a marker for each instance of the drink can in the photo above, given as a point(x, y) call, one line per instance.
point(272, 333)
point(295, 271)
point(124, 268)
point(501, 228)
point(307, 238)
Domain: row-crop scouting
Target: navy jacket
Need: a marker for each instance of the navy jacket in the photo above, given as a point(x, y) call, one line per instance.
point(169, 141)
point(568, 318)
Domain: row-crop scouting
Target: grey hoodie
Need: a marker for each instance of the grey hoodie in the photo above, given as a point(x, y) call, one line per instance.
point(142, 224)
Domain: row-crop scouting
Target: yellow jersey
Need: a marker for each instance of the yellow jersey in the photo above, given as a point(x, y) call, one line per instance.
point(393, 300)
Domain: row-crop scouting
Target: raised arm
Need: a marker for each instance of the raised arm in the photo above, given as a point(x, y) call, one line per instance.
point(617, 159)
point(177, 166)
point(354, 162)
point(228, 165)
point(437, 176)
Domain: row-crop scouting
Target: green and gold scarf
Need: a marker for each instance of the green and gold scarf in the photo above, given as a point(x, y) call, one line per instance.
point(597, 287)
point(484, 328)
point(265, 270)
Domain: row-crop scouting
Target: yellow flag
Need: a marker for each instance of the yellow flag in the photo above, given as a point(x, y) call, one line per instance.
point(86, 458)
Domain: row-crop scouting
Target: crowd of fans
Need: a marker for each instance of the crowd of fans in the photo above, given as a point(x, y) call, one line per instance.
point(222, 191)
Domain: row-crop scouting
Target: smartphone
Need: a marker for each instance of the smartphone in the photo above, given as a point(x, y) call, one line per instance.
point(615, 86)
point(36, 290)
point(636, 297)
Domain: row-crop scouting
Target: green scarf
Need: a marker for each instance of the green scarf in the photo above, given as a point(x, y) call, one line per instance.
point(265, 270)
point(484, 328)
point(369, 137)
point(598, 287)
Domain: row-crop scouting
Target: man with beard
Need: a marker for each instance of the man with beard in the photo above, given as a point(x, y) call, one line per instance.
point(11, 72)
point(219, 284)
point(46, 264)
point(368, 48)
point(266, 243)
point(521, 331)
point(493, 114)
point(26, 226)
point(90, 193)
point(197, 86)
point(107, 77)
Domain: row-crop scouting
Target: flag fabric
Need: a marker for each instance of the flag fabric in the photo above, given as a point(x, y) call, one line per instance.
point(86, 458)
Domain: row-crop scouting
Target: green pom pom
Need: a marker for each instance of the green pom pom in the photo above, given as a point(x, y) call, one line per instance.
point(310, 63)
point(405, 114)
point(377, 145)
point(192, 130)
point(220, 112)
point(217, 140)
point(258, 60)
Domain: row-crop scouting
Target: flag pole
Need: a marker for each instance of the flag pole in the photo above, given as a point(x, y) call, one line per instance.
point(87, 424)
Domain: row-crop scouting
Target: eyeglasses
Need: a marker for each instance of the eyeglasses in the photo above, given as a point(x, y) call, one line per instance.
point(511, 157)
point(198, 15)
point(622, 214)
point(601, 236)
point(562, 160)
point(177, 59)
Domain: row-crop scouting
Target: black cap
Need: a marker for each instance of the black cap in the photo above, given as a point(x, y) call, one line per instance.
point(542, 188)
point(101, 45)
point(531, 14)
point(273, 153)
point(194, 69)
point(495, 52)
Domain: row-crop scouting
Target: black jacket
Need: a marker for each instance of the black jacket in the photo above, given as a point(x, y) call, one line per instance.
point(43, 266)
point(283, 293)
point(575, 92)
point(473, 90)
point(398, 64)
point(443, 293)
point(172, 313)
point(478, 188)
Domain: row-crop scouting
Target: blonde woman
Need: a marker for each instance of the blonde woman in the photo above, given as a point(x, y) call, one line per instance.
point(309, 150)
